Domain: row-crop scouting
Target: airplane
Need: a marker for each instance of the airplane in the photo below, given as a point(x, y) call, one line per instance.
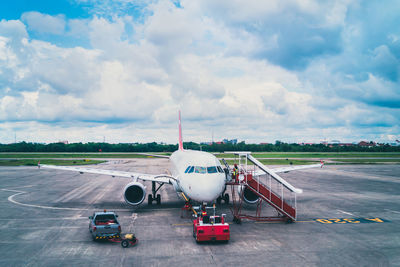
point(195, 176)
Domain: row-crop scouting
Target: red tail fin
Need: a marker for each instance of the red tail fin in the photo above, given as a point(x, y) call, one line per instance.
point(180, 133)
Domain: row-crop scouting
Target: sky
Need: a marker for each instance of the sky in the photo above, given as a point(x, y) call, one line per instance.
point(258, 71)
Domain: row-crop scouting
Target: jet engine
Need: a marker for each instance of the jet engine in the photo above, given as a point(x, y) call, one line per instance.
point(248, 196)
point(134, 193)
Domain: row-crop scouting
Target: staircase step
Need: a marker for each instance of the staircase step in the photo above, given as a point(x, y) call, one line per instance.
point(263, 192)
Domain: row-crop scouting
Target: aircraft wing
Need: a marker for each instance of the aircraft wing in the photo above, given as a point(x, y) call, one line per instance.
point(155, 155)
point(293, 168)
point(160, 178)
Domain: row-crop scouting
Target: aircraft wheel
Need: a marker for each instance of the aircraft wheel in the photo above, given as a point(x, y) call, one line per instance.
point(158, 199)
point(226, 198)
point(150, 199)
point(219, 200)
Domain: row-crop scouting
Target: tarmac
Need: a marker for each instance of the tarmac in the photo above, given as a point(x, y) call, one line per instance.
point(348, 215)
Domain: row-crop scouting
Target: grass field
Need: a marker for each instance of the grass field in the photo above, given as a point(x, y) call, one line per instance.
point(268, 158)
point(317, 155)
point(33, 162)
point(72, 155)
point(279, 162)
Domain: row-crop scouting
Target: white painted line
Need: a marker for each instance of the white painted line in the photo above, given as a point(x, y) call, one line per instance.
point(345, 212)
point(11, 199)
point(46, 219)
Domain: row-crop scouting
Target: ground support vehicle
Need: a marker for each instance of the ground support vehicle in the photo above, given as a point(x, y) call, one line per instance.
point(211, 228)
point(126, 240)
point(104, 225)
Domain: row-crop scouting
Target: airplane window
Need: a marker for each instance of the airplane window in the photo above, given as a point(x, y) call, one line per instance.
point(220, 169)
point(191, 169)
point(198, 169)
point(187, 169)
point(211, 169)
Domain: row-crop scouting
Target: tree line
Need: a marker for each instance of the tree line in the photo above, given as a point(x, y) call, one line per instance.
point(156, 147)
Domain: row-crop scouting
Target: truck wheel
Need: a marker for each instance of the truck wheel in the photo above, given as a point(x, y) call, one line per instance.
point(125, 243)
point(158, 199)
point(150, 199)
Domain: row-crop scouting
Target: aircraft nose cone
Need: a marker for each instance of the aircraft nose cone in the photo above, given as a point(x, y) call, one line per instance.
point(205, 188)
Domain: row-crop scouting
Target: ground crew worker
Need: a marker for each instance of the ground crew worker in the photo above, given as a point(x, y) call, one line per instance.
point(203, 211)
point(235, 172)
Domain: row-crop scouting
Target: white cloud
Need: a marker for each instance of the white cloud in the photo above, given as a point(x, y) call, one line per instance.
point(43, 23)
point(203, 58)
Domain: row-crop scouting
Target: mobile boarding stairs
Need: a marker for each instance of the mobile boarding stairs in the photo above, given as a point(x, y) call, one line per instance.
point(265, 184)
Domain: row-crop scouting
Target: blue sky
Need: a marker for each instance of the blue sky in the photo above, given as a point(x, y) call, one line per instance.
point(293, 70)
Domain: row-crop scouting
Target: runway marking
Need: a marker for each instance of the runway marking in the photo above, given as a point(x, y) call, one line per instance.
point(11, 199)
point(345, 212)
point(47, 219)
point(18, 192)
point(351, 220)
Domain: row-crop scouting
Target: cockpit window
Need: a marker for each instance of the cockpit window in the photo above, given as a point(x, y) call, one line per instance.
point(191, 169)
point(198, 169)
point(187, 169)
point(220, 169)
point(211, 169)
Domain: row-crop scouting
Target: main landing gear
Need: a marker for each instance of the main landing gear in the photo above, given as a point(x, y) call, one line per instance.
point(224, 197)
point(153, 197)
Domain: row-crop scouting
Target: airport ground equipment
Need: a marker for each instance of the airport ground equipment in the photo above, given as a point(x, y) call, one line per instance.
point(257, 184)
point(126, 240)
point(104, 225)
point(211, 228)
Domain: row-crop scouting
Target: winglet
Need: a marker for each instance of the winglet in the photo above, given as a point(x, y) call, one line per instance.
point(180, 133)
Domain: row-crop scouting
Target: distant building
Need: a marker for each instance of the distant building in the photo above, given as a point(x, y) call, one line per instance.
point(306, 144)
point(233, 141)
point(367, 144)
point(63, 142)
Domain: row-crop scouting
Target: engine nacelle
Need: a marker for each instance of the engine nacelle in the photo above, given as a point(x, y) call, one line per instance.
point(134, 193)
point(248, 196)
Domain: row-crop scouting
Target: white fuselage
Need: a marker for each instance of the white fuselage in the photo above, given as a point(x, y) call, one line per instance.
point(205, 181)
